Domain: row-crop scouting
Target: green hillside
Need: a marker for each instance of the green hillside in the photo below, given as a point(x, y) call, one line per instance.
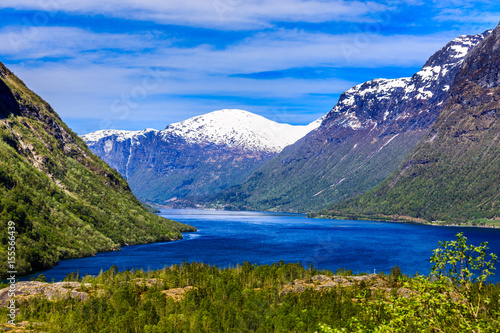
point(311, 175)
point(65, 201)
point(453, 174)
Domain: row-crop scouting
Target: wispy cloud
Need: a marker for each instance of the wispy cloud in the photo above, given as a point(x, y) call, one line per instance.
point(277, 50)
point(472, 13)
point(68, 42)
point(224, 14)
point(472, 17)
point(103, 74)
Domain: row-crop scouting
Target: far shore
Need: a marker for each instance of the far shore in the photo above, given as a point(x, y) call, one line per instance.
point(408, 219)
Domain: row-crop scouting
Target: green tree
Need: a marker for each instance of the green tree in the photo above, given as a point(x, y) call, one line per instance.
point(467, 267)
point(461, 262)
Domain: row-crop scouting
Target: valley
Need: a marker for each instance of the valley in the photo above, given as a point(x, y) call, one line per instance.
point(347, 181)
point(64, 201)
point(380, 133)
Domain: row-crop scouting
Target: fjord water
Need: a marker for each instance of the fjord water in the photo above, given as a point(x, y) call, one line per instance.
point(228, 238)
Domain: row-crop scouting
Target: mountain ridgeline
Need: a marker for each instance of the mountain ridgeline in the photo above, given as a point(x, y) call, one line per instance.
point(453, 174)
point(65, 202)
point(197, 157)
point(361, 141)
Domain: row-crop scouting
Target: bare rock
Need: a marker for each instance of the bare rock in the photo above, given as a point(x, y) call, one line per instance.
point(324, 282)
point(178, 293)
point(25, 290)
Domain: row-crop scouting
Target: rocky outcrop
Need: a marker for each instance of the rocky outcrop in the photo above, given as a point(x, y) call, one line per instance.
point(29, 290)
point(26, 290)
point(177, 294)
point(324, 282)
point(373, 282)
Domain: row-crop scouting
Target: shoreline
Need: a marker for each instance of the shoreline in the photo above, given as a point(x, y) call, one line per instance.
point(380, 218)
point(38, 273)
point(408, 220)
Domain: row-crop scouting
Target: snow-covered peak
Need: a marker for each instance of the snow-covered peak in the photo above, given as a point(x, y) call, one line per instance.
point(382, 88)
point(463, 44)
point(239, 128)
point(121, 135)
point(230, 127)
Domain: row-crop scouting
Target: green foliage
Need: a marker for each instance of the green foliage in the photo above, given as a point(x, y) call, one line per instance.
point(248, 298)
point(40, 278)
point(461, 262)
point(453, 300)
point(430, 307)
point(467, 267)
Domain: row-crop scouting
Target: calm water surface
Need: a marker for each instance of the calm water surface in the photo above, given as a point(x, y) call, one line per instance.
point(228, 238)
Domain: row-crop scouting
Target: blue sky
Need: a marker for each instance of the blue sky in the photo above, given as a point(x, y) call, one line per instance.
point(134, 64)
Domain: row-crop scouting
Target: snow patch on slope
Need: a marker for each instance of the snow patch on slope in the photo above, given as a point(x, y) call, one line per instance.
point(422, 86)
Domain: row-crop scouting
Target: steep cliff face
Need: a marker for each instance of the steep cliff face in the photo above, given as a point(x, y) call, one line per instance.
point(454, 172)
point(200, 156)
point(361, 141)
point(64, 201)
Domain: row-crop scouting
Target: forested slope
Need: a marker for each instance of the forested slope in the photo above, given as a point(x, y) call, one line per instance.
point(64, 200)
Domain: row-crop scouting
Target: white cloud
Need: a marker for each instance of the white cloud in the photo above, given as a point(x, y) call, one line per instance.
point(112, 98)
point(224, 14)
point(276, 50)
point(39, 42)
point(135, 86)
point(86, 74)
point(473, 17)
point(288, 49)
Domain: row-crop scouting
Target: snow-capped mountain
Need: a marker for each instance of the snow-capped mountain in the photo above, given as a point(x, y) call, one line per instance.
point(230, 127)
point(453, 173)
point(383, 101)
point(197, 156)
point(238, 128)
point(362, 140)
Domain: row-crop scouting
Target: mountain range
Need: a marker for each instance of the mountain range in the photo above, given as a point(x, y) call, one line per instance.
point(63, 200)
point(423, 148)
point(361, 141)
point(453, 174)
point(419, 148)
point(196, 157)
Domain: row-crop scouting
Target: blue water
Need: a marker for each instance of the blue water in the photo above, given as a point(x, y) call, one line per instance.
point(228, 238)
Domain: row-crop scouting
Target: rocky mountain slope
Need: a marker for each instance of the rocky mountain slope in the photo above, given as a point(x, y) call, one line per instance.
point(198, 156)
point(65, 202)
point(361, 141)
point(453, 174)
